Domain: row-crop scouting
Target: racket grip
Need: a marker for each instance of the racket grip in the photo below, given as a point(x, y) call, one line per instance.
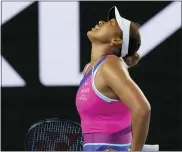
point(150, 148)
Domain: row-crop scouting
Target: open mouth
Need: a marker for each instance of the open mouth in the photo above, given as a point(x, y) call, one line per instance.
point(97, 27)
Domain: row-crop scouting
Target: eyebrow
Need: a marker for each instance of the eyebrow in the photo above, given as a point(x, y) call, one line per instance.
point(112, 20)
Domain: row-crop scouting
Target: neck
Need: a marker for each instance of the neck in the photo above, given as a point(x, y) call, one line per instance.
point(98, 51)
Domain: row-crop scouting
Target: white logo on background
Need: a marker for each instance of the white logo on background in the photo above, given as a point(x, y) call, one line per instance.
point(59, 40)
point(59, 43)
point(10, 9)
point(10, 78)
point(59, 53)
point(160, 27)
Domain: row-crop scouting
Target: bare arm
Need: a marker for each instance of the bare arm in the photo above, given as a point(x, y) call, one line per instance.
point(118, 79)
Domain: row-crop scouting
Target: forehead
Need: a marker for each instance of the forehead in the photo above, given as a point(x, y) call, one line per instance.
point(114, 23)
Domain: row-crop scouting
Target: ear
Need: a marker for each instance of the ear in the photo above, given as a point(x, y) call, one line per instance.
point(116, 41)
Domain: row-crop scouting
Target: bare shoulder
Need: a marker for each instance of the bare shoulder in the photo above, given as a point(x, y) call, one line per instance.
point(116, 76)
point(86, 67)
point(114, 65)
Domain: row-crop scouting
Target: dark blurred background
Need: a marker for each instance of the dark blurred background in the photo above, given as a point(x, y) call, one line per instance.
point(44, 50)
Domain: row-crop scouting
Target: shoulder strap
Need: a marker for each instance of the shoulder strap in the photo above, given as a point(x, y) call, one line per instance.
point(90, 72)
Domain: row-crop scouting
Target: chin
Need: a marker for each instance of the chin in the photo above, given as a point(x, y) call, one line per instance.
point(89, 35)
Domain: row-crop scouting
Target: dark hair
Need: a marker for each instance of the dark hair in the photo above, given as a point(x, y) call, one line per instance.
point(135, 40)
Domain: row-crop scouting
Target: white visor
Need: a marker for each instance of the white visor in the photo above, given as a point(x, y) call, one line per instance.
point(124, 25)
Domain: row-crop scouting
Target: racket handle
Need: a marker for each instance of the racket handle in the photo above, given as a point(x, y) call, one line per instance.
point(150, 148)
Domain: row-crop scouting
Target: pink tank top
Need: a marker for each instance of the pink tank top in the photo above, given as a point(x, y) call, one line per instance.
point(98, 113)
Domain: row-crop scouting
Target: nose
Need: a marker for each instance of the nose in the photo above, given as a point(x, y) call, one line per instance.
point(101, 22)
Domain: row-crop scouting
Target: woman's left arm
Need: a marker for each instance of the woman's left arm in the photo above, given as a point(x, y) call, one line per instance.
point(118, 79)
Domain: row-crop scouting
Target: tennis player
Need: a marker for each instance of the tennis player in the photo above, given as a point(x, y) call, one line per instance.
point(114, 112)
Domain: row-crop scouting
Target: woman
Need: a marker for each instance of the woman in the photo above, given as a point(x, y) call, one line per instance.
point(108, 101)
